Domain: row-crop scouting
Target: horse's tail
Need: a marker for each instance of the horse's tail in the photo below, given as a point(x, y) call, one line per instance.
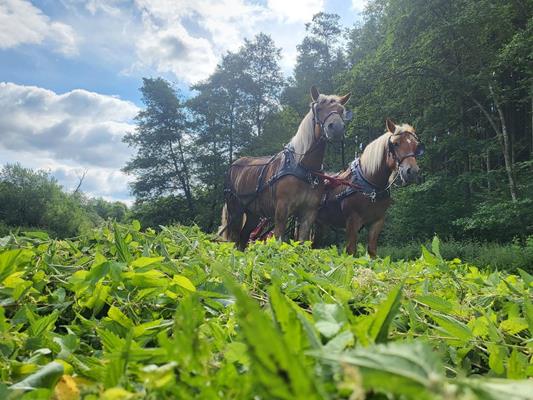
point(223, 228)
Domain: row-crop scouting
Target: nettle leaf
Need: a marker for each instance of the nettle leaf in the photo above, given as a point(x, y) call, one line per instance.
point(286, 317)
point(145, 261)
point(278, 371)
point(412, 369)
point(514, 325)
point(497, 357)
point(436, 303)
point(118, 316)
point(123, 251)
point(329, 318)
point(10, 260)
point(184, 282)
point(379, 329)
point(457, 330)
point(500, 389)
point(46, 377)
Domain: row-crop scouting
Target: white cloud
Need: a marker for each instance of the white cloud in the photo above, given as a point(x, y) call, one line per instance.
point(188, 38)
point(67, 132)
point(295, 10)
point(23, 23)
point(359, 5)
point(172, 49)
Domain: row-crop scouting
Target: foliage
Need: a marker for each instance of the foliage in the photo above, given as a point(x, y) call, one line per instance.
point(34, 199)
point(504, 257)
point(119, 313)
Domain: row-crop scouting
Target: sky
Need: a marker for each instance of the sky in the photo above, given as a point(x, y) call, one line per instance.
point(70, 71)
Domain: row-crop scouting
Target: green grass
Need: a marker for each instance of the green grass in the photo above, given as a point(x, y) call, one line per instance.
point(124, 314)
point(508, 257)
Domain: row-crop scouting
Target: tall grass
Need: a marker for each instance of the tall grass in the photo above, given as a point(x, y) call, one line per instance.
point(507, 257)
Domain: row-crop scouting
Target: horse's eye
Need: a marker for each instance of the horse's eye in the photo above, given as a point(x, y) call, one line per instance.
point(332, 101)
point(396, 144)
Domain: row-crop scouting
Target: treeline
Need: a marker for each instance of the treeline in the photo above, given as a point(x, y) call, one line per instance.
point(460, 72)
point(32, 200)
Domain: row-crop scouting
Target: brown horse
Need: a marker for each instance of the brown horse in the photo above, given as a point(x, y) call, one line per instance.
point(364, 203)
point(282, 185)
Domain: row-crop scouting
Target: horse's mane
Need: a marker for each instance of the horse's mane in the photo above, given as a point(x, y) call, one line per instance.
point(303, 140)
point(376, 151)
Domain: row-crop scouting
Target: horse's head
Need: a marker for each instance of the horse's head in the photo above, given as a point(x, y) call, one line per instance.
point(404, 147)
point(329, 113)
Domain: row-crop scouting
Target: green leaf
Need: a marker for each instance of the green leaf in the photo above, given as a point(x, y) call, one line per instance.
point(118, 316)
point(136, 225)
point(453, 327)
point(411, 369)
point(144, 261)
point(379, 329)
point(46, 377)
point(123, 251)
point(8, 263)
point(436, 303)
point(184, 282)
point(329, 318)
point(514, 325)
point(500, 389)
point(497, 357)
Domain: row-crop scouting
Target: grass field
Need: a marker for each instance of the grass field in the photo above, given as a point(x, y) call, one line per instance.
point(125, 314)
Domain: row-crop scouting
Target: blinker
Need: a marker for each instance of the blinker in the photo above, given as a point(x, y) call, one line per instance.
point(420, 149)
point(347, 115)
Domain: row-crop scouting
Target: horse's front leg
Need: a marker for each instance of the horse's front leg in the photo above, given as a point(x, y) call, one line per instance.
point(353, 224)
point(304, 227)
point(373, 233)
point(280, 219)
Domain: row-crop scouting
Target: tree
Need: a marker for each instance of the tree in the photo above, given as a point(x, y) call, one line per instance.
point(162, 164)
point(263, 77)
point(319, 60)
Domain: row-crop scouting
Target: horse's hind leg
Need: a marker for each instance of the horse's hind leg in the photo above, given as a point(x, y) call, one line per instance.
point(373, 233)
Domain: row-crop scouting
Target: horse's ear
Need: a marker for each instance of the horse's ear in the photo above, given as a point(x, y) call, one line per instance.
point(391, 126)
point(314, 93)
point(344, 99)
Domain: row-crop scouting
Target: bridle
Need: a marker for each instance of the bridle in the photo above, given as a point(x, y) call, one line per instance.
point(317, 123)
point(346, 116)
point(419, 150)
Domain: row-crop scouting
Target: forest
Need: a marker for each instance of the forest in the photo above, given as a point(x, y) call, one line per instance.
point(460, 72)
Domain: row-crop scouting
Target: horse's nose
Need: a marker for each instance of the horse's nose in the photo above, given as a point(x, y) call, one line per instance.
point(336, 126)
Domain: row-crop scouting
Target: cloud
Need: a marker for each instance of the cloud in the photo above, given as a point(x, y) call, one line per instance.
point(71, 131)
point(359, 5)
point(23, 23)
point(296, 10)
point(188, 39)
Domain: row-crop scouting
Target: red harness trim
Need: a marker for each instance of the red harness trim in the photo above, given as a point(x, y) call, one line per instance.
point(332, 182)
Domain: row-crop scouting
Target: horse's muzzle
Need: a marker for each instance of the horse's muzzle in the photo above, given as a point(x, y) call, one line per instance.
point(335, 130)
point(409, 174)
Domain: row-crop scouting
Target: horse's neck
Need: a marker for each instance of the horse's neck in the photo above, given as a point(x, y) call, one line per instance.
point(314, 158)
point(380, 177)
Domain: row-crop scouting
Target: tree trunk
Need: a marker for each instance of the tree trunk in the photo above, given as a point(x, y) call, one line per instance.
point(506, 146)
point(504, 142)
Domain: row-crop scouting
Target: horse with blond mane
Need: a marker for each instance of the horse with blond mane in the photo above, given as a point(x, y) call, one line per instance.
point(389, 158)
point(285, 184)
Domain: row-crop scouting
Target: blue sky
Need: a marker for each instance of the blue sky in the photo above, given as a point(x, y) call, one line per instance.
point(70, 71)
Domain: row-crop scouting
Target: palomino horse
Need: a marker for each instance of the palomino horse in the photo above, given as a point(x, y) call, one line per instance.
point(365, 201)
point(282, 185)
